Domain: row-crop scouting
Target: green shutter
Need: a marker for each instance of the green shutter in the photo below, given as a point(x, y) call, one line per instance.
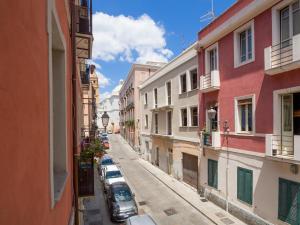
point(244, 185)
point(289, 202)
point(212, 173)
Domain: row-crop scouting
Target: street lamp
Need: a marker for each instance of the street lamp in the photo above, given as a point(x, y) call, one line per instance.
point(211, 115)
point(105, 120)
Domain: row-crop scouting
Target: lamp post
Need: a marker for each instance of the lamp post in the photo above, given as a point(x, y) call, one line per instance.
point(211, 115)
point(226, 133)
point(105, 120)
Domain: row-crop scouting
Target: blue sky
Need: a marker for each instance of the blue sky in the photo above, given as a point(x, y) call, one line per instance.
point(127, 31)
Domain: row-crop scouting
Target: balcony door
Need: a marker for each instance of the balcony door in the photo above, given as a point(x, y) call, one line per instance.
point(287, 134)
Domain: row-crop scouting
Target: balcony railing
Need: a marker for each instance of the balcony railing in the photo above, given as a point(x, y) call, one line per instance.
point(84, 74)
point(212, 139)
point(210, 82)
point(84, 31)
point(283, 57)
point(283, 146)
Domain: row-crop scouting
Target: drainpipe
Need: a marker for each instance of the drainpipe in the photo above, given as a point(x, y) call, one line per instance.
point(74, 111)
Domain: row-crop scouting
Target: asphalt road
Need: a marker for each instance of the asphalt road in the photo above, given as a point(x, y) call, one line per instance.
point(152, 196)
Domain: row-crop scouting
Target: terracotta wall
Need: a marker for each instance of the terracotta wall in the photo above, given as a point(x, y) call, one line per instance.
point(24, 168)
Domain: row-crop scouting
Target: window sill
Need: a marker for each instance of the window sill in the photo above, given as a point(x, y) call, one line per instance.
point(60, 180)
point(189, 92)
point(244, 63)
point(243, 134)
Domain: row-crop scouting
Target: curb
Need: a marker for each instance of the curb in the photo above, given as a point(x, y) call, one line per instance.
point(204, 214)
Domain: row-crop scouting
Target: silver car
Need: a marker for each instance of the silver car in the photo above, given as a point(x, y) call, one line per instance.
point(144, 219)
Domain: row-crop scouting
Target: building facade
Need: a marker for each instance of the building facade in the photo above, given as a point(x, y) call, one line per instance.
point(249, 111)
point(169, 117)
point(129, 101)
point(112, 107)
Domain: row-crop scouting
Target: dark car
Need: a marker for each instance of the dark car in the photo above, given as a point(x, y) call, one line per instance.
point(105, 161)
point(121, 202)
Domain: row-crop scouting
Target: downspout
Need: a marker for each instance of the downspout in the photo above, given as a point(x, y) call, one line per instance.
point(74, 110)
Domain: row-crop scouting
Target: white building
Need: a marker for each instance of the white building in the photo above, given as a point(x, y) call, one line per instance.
point(111, 105)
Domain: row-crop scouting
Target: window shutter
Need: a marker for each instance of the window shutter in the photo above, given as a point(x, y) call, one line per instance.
point(240, 183)
point(248, 187)
point(209, 172)
point(215, 181)
point(283, 200)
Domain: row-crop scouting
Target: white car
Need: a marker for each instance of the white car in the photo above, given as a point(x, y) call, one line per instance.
point(112, 174)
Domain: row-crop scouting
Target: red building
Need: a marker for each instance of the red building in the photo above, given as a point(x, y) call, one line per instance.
point(39, 84)
point(249, 60)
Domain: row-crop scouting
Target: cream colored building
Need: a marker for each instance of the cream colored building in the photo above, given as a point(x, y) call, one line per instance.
point(90, 101)
point(169, 118)
point(129, 101)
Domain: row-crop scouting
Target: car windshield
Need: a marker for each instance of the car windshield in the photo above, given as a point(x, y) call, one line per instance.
point(122, 195)
point(107, 162)
point(113, 174)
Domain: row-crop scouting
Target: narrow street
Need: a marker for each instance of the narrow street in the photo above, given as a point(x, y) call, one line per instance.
point(152, 196)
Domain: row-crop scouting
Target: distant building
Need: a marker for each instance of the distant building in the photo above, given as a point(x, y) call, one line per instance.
point(110, 104)
point(129, 100)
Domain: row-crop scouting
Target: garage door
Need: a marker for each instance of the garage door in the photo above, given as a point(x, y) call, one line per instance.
point(190, 169)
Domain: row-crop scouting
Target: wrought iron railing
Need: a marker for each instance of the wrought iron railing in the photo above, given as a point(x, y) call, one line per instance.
point(282, 145)
point(84, 21)
point(282, 53)
point(207, 139)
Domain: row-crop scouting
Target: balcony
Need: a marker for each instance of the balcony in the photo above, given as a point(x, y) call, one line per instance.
point(212, 140)
point(84, 74)
point(283, 57)
point(210, 82)
point(130, 105)
point(162, 108)
point(84, 36)
point(283, 147)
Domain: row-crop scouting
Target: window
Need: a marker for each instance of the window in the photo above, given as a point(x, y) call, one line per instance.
point(194, 79)
point(169, 122)
point(194, 116)
point(184, 122)
point(57, 111)
point(155, 97)
point(244, 44)
point(212, 173)
point(245, 115)
point(289, 23)
point(183, 85)
point(146, 121)
point(288, 202)
point(146, 99)
point(244, 185)
point(156, 122)
point(169, 98)
point(213, 60)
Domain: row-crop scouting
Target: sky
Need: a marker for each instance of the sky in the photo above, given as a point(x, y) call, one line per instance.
point(129, 31)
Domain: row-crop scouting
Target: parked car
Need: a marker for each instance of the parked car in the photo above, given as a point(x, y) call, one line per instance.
point(144, 219)
point(121, 202)
point(112, 174)
point(105, 161)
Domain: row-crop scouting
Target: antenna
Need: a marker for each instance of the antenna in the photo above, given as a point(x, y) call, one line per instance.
point(210, 15)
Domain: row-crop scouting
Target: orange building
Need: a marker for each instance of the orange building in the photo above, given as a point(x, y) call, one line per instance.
point(40, 81)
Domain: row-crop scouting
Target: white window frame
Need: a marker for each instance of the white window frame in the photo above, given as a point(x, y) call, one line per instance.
point(155, 104)
point(167, 122)
point(237, 115)
point(166, 92)
point(180, 84)
point(236, 43)
point(146, 99)
point(276, 20)
point(207, 58)
point(56, 190)
point(180, 113)
point(190, 113)
point(190, 78)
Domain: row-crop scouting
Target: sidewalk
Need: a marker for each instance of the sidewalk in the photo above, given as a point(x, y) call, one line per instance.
point(208, 209)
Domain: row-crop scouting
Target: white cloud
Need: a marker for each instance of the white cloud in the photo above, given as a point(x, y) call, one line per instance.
point(103, 80)
point(129, 39)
